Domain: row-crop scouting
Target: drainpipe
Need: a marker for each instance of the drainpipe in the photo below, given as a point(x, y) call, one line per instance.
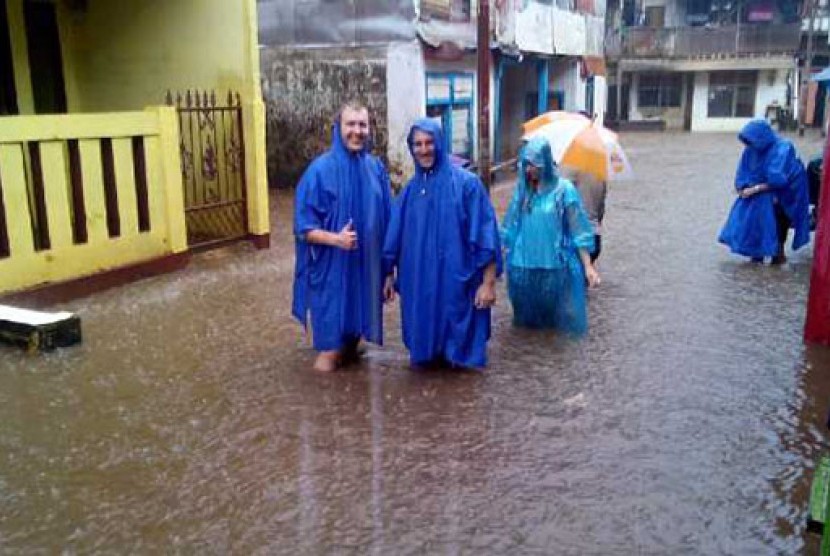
point(484, 92)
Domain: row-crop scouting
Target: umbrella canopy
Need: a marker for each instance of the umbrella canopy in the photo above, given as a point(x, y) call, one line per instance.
point(581, 144)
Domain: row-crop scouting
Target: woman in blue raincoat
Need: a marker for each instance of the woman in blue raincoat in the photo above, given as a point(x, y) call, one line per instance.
point(548, 239)
point(773, 196)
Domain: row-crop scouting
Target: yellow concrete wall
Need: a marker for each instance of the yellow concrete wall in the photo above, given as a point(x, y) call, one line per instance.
point(20, 56)
point(124, 55)
point(27, 267)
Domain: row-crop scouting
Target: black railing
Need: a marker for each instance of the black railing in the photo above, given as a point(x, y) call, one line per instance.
point(213, 166)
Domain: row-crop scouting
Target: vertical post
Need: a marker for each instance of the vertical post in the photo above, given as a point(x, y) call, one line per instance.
point(619, 91)
point(484, 91)
point(171, 167)
point(497, 109)
point(738, 29)
point(542, 74)
point(817, 326)
point(808, 68)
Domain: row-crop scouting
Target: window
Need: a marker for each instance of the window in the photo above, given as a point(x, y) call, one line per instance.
point(732, 94)
point(660, 90)
point(450, 10)
point(450, 102)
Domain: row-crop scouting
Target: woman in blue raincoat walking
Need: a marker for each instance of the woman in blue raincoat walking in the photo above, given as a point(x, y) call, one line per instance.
point(773, 196)
point(548, 239)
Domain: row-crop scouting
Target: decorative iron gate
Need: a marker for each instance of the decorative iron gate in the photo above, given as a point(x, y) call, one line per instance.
point(213, 166)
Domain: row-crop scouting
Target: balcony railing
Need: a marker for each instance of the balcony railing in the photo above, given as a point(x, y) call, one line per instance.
point(685, 42)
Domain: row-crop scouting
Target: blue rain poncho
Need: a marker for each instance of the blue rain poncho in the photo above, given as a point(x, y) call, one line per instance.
point(542, 232)
point(442, 236)
point(750, 229)
point(343, 290)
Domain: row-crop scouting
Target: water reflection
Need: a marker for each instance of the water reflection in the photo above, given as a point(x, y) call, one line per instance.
point(687, 421)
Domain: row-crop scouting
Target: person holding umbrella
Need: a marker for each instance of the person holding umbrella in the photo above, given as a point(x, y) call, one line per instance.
point(548, 239)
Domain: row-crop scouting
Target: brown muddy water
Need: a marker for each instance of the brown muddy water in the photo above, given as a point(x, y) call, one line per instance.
point(688, 421)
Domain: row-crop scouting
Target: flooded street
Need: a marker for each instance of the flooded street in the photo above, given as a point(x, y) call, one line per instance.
point(686, 422)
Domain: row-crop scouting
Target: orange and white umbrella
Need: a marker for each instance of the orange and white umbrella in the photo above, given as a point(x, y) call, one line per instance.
point(579, 143)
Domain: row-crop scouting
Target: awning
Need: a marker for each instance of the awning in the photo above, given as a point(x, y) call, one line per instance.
point(592, 65)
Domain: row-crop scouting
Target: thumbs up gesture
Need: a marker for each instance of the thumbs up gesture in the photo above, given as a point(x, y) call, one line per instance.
point(347, 237)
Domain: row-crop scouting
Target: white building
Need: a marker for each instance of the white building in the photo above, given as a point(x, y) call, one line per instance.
point(702, 65)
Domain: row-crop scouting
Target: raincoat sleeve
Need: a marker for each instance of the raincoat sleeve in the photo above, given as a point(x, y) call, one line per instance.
point(386, 191)
point(579, 227)
point(510, 223)
point(779, 165)
point(311, 203)
point(744, 177)
point(483, 231)
point(394, 233)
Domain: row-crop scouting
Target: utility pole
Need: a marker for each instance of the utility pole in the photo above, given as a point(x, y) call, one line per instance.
point(808, 68)
point(484, 92)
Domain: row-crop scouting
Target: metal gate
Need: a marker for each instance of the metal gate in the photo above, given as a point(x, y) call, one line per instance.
point(213, 166)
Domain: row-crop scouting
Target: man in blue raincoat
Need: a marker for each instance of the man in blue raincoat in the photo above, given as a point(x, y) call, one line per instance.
point(773, 196)
point(341, 213)
point(443, 240)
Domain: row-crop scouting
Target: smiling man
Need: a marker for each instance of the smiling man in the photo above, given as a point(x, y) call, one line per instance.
point(443, 241)
point(341, 213)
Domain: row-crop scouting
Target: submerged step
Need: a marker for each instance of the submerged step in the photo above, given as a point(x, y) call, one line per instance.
point(38, 330)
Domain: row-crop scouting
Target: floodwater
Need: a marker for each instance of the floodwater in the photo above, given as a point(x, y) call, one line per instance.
point(688, 421)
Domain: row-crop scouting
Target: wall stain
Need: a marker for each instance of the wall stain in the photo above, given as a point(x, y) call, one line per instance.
point(303, 89)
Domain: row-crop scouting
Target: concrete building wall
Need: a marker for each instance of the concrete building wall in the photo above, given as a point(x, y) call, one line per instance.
point(304, 88)
point(771, 86)
point(600, 98)
point(406, 101)
point(673, 116)
point(518, 81)
point(125, 55)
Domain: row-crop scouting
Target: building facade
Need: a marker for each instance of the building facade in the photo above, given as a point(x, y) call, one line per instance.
point(702, 65)
point(97, 172)
point(408, 59)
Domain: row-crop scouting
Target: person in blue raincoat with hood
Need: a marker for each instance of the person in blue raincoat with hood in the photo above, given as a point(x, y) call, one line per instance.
point(443, 243)
point(549, 240)
point(341, 213)
point(773, 196)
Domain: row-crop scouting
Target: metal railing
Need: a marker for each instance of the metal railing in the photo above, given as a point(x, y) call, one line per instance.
point(682, 42)
point(213, 166)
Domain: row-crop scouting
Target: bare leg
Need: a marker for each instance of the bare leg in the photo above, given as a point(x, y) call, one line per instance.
point(326, 361)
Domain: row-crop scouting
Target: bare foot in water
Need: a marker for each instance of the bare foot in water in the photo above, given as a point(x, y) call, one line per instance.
point(326, 362)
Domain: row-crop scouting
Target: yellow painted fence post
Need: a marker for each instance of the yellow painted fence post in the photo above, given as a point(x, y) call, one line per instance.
point(172, 172)
point(253, 116)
